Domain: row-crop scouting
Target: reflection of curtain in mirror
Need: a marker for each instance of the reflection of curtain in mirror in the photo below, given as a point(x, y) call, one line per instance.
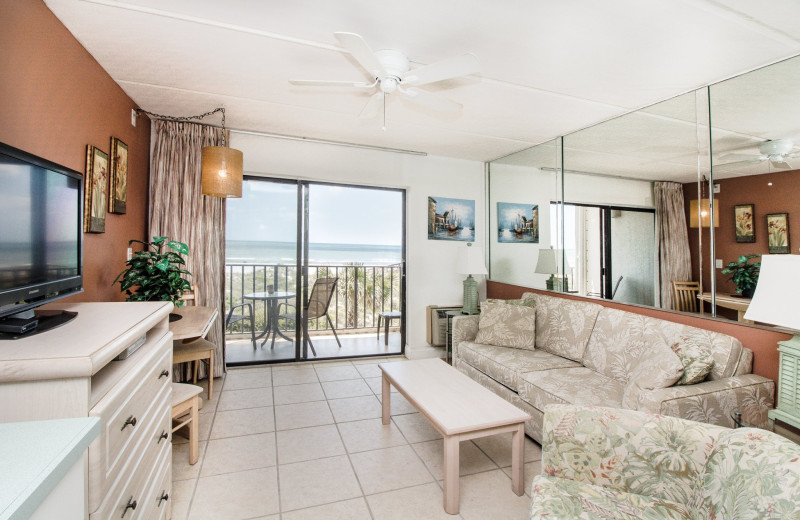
point(675, 262)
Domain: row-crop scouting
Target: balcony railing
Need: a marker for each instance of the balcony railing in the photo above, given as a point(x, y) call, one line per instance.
point(362, 292)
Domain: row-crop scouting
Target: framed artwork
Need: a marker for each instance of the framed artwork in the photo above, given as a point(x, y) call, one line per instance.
point(517, 223)
point(745, 223)
point(451, 219)
point(96, 179)
point(778, 233)
point(118, 192)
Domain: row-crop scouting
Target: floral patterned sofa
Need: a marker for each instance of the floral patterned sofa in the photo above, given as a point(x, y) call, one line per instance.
point(602, 463)
point(579, 352)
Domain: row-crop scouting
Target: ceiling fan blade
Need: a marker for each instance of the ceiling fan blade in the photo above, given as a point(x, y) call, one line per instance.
point(373, 106)
point(463, 65)
point(328, 83)
point(736, 164)
point(430, 100)
point(780, 164)
point(358, 48)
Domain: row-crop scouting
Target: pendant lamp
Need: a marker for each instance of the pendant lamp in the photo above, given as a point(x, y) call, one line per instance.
point(222, 169)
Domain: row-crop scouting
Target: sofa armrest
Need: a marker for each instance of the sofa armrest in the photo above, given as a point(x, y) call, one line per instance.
point(465, 328)
point(710, 401)
point(626, 450)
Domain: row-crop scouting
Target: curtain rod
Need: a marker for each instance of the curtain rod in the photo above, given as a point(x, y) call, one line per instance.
point(290, 137)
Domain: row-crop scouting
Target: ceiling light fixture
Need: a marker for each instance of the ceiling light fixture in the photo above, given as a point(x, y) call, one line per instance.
point(221, 166)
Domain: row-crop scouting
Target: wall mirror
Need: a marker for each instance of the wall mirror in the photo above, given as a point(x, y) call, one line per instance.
point(755, 140)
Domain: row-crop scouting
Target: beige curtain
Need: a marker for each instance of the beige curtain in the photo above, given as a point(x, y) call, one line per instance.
point(675, 263)
point(180, 211)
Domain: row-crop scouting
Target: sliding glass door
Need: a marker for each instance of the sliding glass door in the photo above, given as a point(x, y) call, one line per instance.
point(334, 257)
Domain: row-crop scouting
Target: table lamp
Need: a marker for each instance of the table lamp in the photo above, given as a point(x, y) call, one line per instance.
point(471, 262)
point(775, 302)
point(546, 264)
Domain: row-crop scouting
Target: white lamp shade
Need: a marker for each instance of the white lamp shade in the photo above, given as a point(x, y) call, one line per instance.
point(471, 261)
point(546, 264)
point(776, 298)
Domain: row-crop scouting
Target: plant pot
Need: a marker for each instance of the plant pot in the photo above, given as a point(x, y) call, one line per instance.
point(748, 293)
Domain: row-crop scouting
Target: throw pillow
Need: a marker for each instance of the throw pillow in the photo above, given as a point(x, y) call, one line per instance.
point(506, 325)
point(696, 358)
point(659, 367)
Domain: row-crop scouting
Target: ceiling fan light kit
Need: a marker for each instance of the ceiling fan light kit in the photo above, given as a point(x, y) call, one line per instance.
point(392, 73)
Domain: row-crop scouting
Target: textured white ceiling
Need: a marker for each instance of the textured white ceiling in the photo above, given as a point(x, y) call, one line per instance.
point(548, 68)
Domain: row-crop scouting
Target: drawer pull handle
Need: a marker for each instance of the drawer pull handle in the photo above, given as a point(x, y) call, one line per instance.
point(163, 498)
point(164, 373)
point(164, 435)
point(131, 505)
point(129, 421)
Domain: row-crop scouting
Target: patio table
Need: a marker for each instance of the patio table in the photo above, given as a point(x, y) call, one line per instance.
point(271, 327)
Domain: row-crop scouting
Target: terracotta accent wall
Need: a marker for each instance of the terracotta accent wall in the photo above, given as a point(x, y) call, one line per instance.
point(54, 100)
point(781, 197)
point(761, 341)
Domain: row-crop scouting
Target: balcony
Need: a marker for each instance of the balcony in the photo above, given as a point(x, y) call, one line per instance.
point(362, 292)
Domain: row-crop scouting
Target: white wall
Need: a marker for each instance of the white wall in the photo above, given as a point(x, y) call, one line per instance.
point(430, 277)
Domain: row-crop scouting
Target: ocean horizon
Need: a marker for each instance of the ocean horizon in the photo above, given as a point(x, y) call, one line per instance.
point(267, 252)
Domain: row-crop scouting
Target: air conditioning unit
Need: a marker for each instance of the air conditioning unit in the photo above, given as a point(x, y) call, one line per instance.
point(436, 321)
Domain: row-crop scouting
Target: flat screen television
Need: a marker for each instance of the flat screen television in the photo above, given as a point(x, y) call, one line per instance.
point(41, 240)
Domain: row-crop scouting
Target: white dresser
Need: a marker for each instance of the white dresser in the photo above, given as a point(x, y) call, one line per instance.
point(70, 372)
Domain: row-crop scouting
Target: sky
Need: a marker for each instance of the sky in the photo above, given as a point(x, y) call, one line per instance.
point(267, 211)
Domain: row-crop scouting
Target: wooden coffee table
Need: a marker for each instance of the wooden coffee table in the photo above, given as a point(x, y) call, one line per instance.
point(460, 409)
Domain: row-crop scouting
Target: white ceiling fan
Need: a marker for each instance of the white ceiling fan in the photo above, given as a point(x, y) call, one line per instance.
point(392, 73)
point(777, 152)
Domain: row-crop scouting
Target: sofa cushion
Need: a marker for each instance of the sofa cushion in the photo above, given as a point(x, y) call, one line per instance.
point(752, 473)
point(616, 343)
point(528, 302)
point(577, 385)
point(696, 359)
point(506, 325)
point(504, 364)
point(661, 368)
point(563, 326)
point(553, 497)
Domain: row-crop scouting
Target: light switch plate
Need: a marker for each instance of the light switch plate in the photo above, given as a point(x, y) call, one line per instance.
point(719, 263)
point(130, 254)
point(133, 117)
point(716, 188)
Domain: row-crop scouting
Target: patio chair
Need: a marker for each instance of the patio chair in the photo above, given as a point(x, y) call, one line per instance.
point(316, 307)
point(236, 317)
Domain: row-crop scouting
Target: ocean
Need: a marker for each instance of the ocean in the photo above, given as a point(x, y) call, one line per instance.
point(250, 252)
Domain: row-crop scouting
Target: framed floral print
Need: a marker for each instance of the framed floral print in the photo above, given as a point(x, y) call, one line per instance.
point(745, 223)
point(118, 188)
point(96, 179)
point(778, 233)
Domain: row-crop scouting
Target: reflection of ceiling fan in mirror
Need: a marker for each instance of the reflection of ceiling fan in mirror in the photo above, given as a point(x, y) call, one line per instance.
point(778, 152)
point(391, 72)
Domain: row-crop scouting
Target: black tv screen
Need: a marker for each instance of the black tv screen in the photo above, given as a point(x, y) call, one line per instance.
point(40, 231)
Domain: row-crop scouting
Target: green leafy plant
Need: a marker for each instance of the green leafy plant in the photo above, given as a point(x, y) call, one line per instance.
point(745, 272)
point(154, 274)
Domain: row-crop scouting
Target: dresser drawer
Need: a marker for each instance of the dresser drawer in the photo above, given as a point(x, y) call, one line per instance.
point(158, 498)
point(135, 477)
point(126, 413)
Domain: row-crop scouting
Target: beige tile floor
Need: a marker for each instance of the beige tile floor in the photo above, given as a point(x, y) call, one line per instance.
point(296, 442)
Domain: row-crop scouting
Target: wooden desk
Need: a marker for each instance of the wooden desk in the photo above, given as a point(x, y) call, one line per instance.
point(189, 345)
point(729, 302)
point(196, 322)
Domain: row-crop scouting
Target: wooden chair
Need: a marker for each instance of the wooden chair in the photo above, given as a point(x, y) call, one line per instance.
point(195, 350)
point(185, 408)
point(685, 296)
point(317, 306)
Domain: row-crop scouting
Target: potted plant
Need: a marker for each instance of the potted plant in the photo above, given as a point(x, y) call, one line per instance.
point(154, 274)
point(745, 274)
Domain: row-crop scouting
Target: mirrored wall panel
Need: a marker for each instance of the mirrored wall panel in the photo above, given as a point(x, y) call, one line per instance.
point(756, 173)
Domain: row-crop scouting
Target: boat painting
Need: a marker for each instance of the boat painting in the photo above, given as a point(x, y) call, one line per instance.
point(517, 223)
point(451, 219)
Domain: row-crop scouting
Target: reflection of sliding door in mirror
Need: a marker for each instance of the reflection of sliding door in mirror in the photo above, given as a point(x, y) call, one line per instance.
point(611, 252)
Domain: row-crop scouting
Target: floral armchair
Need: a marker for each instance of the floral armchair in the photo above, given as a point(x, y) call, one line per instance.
point(603, 463)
